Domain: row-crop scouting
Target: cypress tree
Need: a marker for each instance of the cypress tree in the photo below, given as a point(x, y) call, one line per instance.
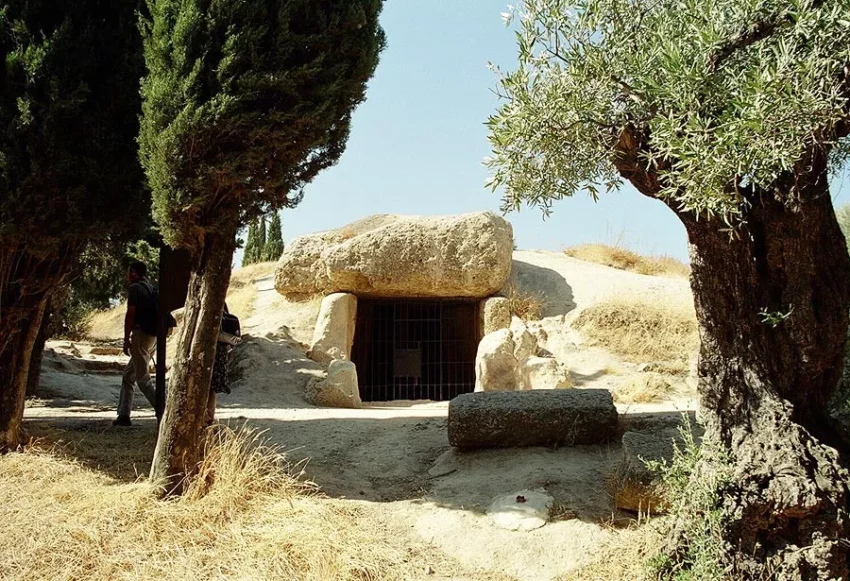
point(261, 241)
point(69, 171)
point(249, 255)
point(274, 244)
point(243, 104)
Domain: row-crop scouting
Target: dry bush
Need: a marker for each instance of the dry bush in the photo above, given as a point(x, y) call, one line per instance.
point(644, 388)
point(525, 304)
point(244, 518)
point(624, 259)
point(641, 331)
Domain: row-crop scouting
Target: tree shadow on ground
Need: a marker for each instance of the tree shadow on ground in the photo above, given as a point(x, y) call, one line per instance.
point(551, 286)
point(384, 460)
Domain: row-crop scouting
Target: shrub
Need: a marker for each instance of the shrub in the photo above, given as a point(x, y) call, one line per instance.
point(525, 304)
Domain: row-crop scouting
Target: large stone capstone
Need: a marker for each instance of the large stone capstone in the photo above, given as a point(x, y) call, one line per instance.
point(531, 418)
point(401, 256)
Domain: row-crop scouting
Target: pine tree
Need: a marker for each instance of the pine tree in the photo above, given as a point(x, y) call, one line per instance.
point(244, 103)
point(69, 171)
point(250, 252)
point(733, 113)
point(274, 244)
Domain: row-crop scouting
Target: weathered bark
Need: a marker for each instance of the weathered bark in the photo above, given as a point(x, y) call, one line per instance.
point(38, 352)
point(26, 281)
point(772, 299)
point(178, 447)
point(772, 305)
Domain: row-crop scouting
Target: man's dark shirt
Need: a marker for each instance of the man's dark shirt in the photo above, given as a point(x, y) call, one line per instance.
point(142, 295)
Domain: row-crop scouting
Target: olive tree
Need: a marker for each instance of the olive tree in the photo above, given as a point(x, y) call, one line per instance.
point(243, 104)
point(733, 113)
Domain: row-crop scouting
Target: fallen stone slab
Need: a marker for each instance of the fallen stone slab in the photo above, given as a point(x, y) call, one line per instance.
point(638, 489)
point(531, 418)
point(525, 510)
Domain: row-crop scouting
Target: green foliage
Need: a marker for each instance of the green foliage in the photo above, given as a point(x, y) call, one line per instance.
point(252, 244)
point(721, 95)
point(245, 102)
point(69, 108)
point(274, 243)
point(693, 494)
point(102, 280)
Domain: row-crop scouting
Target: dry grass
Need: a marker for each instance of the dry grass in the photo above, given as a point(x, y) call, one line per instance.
point(246, 517)
point(641, 331)
point(624, 259)
point(644, 388)
point(624, 557)
point(525, 304)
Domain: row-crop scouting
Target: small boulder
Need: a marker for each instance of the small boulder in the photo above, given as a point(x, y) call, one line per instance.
point(545, 373)
point(495, 363)
point(339, 390)
point(525, 510)
point(334, 332)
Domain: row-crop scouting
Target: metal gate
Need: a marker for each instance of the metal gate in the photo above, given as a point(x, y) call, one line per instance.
point(415, 349)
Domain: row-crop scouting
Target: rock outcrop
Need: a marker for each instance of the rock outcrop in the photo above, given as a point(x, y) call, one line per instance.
point(508, 360)
point(401, 256)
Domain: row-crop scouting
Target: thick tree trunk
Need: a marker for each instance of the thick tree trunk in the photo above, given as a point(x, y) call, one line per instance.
point(38, 351)
point(772, 303)
point(26, 282)
point(178, 447)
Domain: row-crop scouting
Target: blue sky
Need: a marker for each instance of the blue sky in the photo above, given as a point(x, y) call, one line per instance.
point(418, 142)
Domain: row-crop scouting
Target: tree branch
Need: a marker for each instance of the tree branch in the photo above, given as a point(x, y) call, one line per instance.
point(756, 32)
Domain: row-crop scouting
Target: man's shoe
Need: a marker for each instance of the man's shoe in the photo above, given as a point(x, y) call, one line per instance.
point(122, 421)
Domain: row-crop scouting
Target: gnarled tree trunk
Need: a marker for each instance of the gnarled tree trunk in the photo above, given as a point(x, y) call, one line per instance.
point(38, 351)
point(26, 282)
point(772, 303)
point(178, 447)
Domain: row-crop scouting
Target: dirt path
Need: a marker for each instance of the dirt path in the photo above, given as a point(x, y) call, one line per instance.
point(382, 454)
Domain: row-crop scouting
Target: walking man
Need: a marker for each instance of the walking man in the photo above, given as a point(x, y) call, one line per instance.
point(139, 341)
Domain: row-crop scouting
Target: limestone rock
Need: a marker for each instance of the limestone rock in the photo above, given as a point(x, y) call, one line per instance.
point(532, 418)
point(638, 489)
point(387, 256)
point(525, 510)
point(339, 390)
point(544, 373)
point(334, 332)
point(495, 363)
point(495, 314)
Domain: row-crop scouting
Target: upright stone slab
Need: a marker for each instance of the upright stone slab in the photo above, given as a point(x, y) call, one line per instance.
point(334, 332)
point(531, 418)
point(495, 314)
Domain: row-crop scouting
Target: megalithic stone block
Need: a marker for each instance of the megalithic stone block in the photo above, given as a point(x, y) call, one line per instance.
point(532, 418)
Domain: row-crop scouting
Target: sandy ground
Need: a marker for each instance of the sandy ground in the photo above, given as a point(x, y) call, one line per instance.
point(382, 454)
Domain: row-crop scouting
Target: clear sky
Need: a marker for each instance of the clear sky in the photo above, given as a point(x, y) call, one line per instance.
point(418, 142)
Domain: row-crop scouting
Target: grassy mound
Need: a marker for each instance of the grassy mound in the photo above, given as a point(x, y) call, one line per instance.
point(624, 259)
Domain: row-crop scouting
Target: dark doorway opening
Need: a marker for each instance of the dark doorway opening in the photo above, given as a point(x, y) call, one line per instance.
point(415, 349)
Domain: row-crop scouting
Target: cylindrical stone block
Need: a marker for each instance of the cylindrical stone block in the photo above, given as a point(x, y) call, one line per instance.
point(532, 418)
